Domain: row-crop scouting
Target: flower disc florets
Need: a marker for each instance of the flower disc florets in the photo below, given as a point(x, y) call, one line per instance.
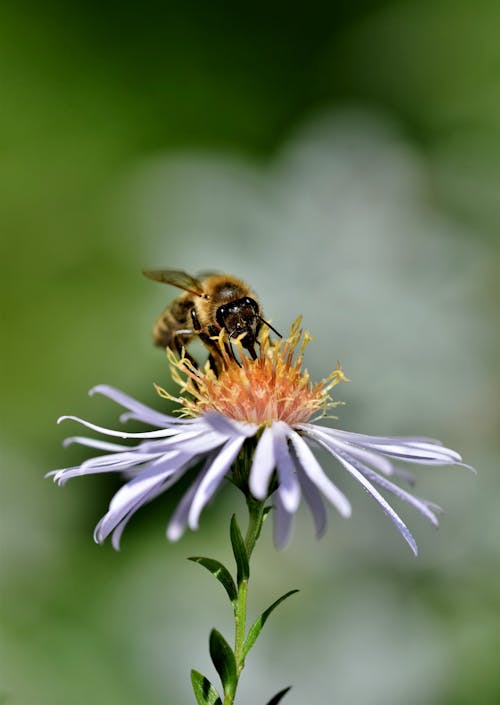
point(274, 387)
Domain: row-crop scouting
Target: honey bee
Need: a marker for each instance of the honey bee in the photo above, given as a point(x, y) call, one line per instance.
point(211, 303)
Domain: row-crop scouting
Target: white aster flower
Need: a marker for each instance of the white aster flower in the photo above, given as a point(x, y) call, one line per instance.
point(266, 410)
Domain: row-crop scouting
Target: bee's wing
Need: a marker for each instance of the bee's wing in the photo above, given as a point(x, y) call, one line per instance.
point(177, 278)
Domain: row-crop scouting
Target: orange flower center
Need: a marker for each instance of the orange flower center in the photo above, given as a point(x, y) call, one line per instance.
point(271, 388)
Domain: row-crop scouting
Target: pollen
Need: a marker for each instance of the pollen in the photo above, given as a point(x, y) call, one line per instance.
point(274, 387)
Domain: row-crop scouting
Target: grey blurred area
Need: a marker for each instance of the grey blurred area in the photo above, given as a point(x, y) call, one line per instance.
point(345, 161)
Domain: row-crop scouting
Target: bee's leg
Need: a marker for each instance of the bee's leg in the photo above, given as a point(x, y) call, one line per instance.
point(194, 318)
point(214, 364)
point(251, 349)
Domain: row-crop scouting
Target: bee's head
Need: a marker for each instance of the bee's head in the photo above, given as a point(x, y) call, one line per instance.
point(238, 317)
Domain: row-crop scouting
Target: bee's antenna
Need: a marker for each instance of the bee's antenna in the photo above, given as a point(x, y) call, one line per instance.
point(263, 320)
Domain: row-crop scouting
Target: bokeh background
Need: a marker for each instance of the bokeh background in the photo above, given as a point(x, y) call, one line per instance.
point(342, 157)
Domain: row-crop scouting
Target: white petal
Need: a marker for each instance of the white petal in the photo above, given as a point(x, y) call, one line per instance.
point(315, 472)
point(262, 465)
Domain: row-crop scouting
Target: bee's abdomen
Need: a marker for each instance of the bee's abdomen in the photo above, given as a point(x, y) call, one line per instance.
point(176, 316)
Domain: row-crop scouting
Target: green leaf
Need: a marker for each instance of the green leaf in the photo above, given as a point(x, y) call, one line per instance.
point(275, 700)
point(240, 551)
point(204, 691)
point(220, 572)
point(224, 661)
point(256, 627)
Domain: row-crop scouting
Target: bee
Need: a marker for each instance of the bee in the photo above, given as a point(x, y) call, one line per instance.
point(211, 303)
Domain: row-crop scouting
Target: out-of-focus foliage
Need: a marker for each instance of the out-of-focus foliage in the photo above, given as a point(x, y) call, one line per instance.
point(345, 159)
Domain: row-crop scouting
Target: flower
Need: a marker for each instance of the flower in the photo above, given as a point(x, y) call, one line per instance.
point(271, 405)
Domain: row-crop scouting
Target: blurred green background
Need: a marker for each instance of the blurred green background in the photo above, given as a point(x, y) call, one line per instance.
point(344, 158)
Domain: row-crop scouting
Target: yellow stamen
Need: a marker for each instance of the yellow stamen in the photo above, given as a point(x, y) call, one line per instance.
point(271, 388)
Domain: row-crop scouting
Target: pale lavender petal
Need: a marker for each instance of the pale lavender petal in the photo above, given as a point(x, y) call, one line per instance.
point(410, 449)
point(405, 475)
point(314, 471)
point(314, 500)
point(422, 454)
point(153, 420)
point(195, 444)
point(179, 521)
point(365, 439)
point(93, 443)
point(425, 507)
point(140, 411)
point(155, 492)
point(105, 463)
point(161, 433)
point(288, 488)
point(213, 478)
point(134, 494)
point(131, 457)
point(283, 521)
point(368, 456)
point(62, 476)
point(58, 475)
point(386, 507)
point(229, 427)
point(263, 464)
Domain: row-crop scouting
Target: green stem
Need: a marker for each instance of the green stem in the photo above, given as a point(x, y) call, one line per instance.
point(255, 521)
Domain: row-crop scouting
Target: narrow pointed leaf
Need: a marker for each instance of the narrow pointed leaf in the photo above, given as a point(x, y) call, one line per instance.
point(223, 659)
point(204, 692)
point(276, 699)
point(220, 572)
point(256, 627)
point(240, 551)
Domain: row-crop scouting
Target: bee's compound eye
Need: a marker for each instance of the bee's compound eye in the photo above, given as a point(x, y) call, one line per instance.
point(251, 302)
point(221, 315)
